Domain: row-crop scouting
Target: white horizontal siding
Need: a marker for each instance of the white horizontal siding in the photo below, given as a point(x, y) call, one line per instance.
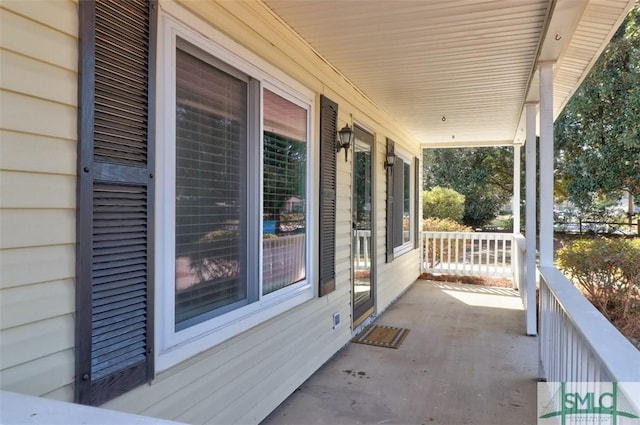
point(304, 359)
point(37, 227)
point(28, 76)
point(207, 378)
point(37, 191)
point(31, 303)
point(53, 14)
point(21, 344)
point(41, 376)
point(64, 393)
point(397, 277)
point(41, 40)
point(32, 115)
point(24, 266)
point(38, 64)
point(262, 375)
point(33, 153)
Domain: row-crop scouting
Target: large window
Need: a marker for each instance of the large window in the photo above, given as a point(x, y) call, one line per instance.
point(234, 195)
point(403, 211)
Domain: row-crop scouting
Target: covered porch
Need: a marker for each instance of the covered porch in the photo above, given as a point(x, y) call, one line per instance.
point(471, 356)
point(407, 76)
point(466, 360)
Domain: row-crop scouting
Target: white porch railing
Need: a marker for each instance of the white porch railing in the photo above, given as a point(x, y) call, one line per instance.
point(467, 253)
point(362, 260)
point(578, 344)
point(482, 254)
point(284, 261)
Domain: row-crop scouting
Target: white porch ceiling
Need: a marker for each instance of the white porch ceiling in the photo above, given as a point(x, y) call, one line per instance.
point(471, 62)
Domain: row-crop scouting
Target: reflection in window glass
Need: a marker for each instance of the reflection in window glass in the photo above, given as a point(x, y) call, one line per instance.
point(402, 202)
point(406, 213)
point(211, 122)
point(284, 192)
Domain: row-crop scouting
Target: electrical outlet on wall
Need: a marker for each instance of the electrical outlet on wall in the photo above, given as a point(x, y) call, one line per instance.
point(337, 320)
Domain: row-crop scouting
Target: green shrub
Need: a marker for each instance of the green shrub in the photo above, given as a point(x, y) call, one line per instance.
point(442, 202)
point(443, 225)
point(607, 271)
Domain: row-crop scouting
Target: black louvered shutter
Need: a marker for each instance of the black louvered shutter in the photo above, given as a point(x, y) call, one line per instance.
point(390, 149)
point(328, 134)
point(114, 288)
point(416, 203)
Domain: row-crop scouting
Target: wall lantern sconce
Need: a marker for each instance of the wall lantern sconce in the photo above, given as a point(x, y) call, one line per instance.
point(391, 159)
point(345, 137)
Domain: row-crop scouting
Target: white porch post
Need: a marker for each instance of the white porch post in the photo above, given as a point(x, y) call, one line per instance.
point(516, 189)
point(546, 164)
point(530, 218)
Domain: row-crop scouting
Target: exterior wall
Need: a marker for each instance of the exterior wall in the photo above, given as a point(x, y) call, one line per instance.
point(38, 64)
point(246, 377)
point(395, 277)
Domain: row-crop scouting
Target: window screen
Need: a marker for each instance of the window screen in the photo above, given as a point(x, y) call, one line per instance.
point(406, 213)
point(284, 192)
point(402, 202)
point(211, 126)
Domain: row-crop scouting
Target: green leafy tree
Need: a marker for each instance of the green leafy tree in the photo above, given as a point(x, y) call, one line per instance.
point(442, 202)
point(598, 133)
point(484, 176)
point(284, 174)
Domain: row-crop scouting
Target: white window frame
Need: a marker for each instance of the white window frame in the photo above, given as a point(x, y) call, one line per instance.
point(173, 347)
point(404, 158)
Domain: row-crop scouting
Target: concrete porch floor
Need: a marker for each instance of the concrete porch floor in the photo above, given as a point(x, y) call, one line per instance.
point(465, 361)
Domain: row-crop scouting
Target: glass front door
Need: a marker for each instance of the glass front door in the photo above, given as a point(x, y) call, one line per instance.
point(363, 282)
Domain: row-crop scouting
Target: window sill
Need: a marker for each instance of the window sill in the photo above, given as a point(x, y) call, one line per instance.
point(174, 348)
point(403, 249)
